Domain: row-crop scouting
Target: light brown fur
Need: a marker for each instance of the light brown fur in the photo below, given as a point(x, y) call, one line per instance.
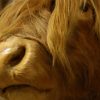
point(63, 50)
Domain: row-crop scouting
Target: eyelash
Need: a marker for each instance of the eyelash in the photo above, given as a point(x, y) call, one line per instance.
point(84, 7)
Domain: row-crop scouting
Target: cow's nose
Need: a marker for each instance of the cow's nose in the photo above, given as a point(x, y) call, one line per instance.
point(15, 55)
point(12, 56)
point(24, 62)
point(12, 53)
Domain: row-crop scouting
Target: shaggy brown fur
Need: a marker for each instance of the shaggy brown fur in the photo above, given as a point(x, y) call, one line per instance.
point(62, 42)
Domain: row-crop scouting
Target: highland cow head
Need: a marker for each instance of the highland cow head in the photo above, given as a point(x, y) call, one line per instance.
point(49, 50)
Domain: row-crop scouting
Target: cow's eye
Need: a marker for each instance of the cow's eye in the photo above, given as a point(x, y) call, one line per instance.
point(84, 7)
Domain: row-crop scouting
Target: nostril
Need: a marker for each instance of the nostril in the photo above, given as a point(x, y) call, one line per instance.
point(17, 57)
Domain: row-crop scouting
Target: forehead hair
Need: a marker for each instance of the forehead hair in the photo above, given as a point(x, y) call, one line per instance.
point(20, 12)
point(21, 8)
